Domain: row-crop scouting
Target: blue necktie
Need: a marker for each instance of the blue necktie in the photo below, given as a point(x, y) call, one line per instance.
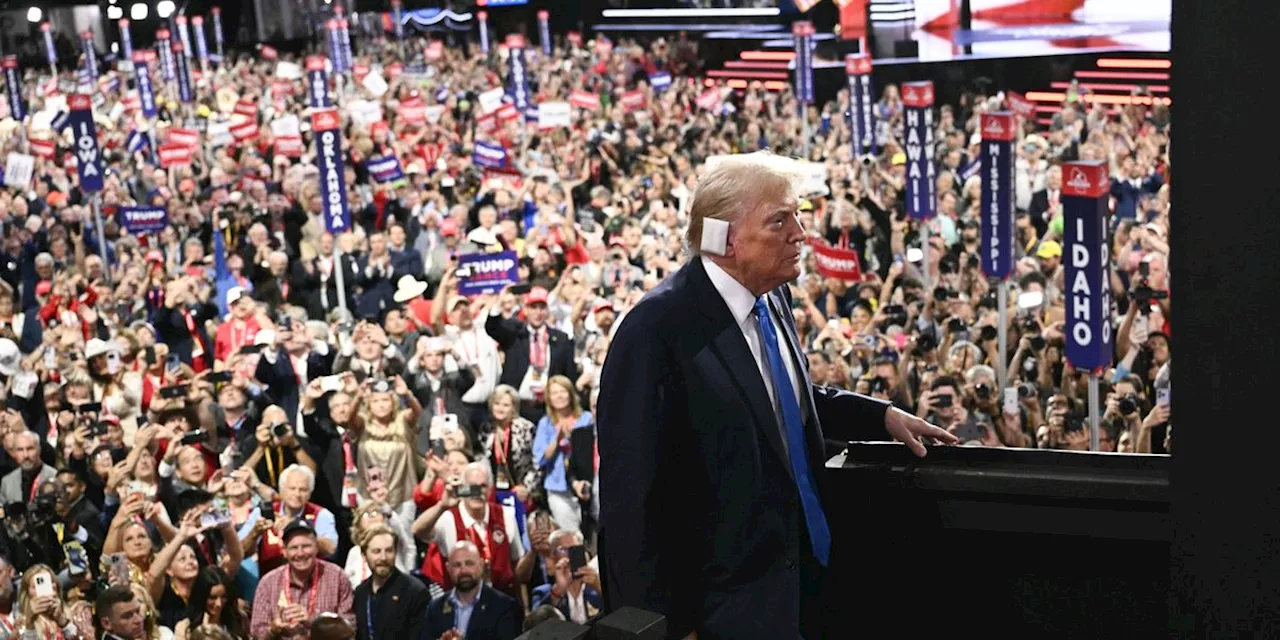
point(819, 534)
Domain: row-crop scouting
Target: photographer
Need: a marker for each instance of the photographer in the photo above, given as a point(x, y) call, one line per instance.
point(274, 447)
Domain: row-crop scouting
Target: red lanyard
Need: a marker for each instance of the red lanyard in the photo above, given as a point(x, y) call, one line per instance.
point(35, 486)
point(500, 453)
point(348, 458)
point(315, 589)
point(440, 402)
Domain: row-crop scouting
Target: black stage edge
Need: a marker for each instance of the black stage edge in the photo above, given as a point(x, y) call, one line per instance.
point(1225, 274)
point(998, 542)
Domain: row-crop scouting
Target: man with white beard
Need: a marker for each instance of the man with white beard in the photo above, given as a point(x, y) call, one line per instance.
point(389, 604)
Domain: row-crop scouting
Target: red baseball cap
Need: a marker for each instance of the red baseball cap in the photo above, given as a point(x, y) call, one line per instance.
point(44, 287)
point(536, 295)
point(448, 227)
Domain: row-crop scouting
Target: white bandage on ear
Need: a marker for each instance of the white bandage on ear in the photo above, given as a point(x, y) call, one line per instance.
point(715, 236)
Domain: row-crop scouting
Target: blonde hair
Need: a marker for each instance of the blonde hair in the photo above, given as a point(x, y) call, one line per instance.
point(736, 184)
point(575, 405)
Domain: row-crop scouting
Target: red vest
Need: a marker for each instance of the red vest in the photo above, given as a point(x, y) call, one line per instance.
point(271, 547)
point(496, 551)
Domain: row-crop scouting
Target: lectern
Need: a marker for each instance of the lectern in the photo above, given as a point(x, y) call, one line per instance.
point(1032, 542)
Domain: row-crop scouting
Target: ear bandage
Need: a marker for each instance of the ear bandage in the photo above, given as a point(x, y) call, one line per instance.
point(715, 236)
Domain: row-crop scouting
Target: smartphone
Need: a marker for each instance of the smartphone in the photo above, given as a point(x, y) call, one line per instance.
point(119, 568)
point(172, 364)
point(50, 359)
point(199, 435)
point(77, 562)
point(250, 349)
point(437, 448)
point(915, 255)
point(373, 475)
point(214, 519)
point(970, 430)
point(577, 558)
point(463, 272)
point(137, 487)
point(1030, 299)
point(90, 407)
point(448, 422)
point(331, 383)
point(266, 512)
point(1162, 396)
point(43, 585)
point(521, 289)
point(173, 391)
point(1011, 400)
point(219, 377)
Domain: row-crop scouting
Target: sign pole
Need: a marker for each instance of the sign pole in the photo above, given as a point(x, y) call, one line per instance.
point(339, 278)
point(102, 236)
point(397, 7)
point(924, 256)
point(802, 32)
point(1094, 413)
point(1002, 335)
point(49, 49)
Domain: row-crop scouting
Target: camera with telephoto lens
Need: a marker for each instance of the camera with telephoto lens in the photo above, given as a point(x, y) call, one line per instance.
point(1143, 293)
point(1128, 404)
point(925, 343)
point(982, 390)
point(280, 430)
point(879, 384)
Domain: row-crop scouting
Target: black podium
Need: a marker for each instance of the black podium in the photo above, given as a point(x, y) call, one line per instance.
point(1037, 543)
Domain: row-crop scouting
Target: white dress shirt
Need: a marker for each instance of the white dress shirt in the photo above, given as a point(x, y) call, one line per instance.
point(741, 302)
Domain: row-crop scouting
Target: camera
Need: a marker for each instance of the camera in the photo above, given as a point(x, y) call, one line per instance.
point(895, 314)
point(469, 491)
point(987, 334)
point(1038, 343)
point(925, 343)
point(982, 390)
point(280, 430)
point(1030, 325)
point(1128, 404)
point(1143, 293)
point(940, 294)
point(879, 384)
point(972, 262)
point(943, 401)
point(199, 435)
point(1027, 390)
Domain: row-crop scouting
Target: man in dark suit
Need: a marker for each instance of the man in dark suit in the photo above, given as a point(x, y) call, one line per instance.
point(287, 367)
point(1046, 203)
point(711, 434)
point(534, 352)
point(180, 323)
point(389, 605)
point(472, 609)
point(440, 380)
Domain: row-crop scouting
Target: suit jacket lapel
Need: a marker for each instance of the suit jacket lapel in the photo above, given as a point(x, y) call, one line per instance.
point(731, 347)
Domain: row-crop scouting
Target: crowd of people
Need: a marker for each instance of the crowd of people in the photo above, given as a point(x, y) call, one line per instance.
point(199, 442)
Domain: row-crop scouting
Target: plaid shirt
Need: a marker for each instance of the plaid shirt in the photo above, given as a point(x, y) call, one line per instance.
point(332, 592)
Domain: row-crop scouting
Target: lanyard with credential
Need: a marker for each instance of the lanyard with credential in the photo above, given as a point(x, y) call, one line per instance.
point(368, 614)
point(315, 585)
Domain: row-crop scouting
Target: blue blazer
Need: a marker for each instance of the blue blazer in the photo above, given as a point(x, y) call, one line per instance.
point(590, 597)
point(700, 515)
point(496, 616)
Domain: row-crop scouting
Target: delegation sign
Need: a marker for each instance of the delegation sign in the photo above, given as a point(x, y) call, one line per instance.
point(996, 247)
point(1086, 187)
point(917, 100)
point(333, 188)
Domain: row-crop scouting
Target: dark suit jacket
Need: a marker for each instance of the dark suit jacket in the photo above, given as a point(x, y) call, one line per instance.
point(282, 383)
point(399, 608)
point(496, 616)
point(1037, 209)
point(452, 386)
point(512, 336)
point(171, 327)
point(700, 516)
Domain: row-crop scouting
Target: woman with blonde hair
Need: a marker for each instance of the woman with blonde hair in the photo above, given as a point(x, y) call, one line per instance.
point(507, 442)
point(386, 439)
point(151, 627)
point(367, 516)
point(42, 611)
point(552, 447)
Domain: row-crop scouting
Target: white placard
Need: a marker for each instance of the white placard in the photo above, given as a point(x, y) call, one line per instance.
point(815, 177)
point(117, 110)
point(18, 170)
point(286, 127)
point(220, 134)
point(554, 114)
point(365, 111)
point(491, 100)
point(288, 71)
point(433, 113)
point(375, 84)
